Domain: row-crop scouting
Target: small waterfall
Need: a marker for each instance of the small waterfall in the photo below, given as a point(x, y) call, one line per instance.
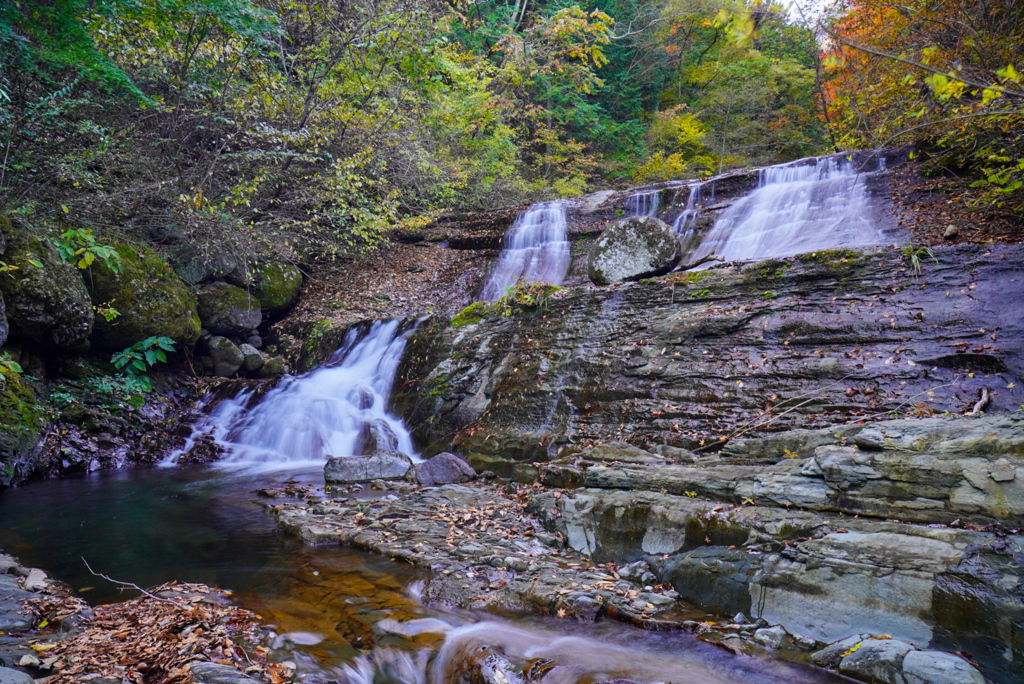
point(643, 203)
point(686, 221)
point(536, 250)
point(796, 208)
point(338, 409)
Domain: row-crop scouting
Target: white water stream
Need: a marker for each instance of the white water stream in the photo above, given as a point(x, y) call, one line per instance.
point(643, 203)
point(536, 250)
point(335, 410)
point(796, 208)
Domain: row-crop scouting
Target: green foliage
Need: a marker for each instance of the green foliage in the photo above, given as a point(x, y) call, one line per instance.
point(141, 356)
point(526, 296)
point(914, 254)
point(8, 364)
point(79, 246)
point(471, 315)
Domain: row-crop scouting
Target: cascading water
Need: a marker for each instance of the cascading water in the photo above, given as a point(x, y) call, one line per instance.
point(686, 221)
point(796, 208)
point(643, 203)
point(336, 410)
point(536, 250)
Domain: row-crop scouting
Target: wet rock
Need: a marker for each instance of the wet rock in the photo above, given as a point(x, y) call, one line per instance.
point(869, 440)
point(226, 357)
point(9, 676)
point(381, 465)
point(46, 304)
point(23, 421)
point(215, 673)
point(196, 268)
point(12, 596)
point(276, 286)
point(831, 655)
point(444, 468)
point(620, 452)
point(771, 637)
point(878, 661)
point(228, 310)
point(638, 573)
point(252, 360)
point(150, 297)
point(375, 436)
point(635, 248)
point(936, 667)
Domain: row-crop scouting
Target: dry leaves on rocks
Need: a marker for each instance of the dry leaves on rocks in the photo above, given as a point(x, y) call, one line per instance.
point(154, 639)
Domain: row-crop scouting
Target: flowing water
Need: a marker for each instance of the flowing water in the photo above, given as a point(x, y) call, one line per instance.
point(796, 208)
point(643, 203)
point(536, 250)
point(338, 409)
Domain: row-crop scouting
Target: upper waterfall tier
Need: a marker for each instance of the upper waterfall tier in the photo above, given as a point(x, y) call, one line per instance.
point(339, 409)
point(536, 250)
point(796, 208)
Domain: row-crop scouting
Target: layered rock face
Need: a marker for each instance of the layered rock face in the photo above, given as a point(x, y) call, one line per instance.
point(788, 542)
point(687, 360)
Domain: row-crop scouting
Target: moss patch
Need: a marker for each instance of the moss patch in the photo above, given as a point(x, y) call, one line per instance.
point(829, 256)
point(23, 420)
point(471, 315)
point(277, 286)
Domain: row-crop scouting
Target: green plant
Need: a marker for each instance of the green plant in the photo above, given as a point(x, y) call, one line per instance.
point(141, 356)
point(913, 255)
point(9, 364)
point(524, 295)
point(701, 293)
point(80, 244)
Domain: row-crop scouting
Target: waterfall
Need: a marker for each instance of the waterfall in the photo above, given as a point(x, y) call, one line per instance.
point(686, 221)
point(338, 409)
point(536, 250)
point(643, 203)
point(796, 208)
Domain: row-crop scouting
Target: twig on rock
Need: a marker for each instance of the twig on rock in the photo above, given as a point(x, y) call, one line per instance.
point(986, 399)
point(129, 585)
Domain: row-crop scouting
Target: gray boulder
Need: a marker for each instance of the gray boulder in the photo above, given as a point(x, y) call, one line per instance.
point(445, 468)
point(936, 667)
point(48, 305)
point(635, 248)
point(251, 357)
point(831, 655)
point(228, 310)
point(196, 268)
point(227, 358)
point(381, 465)
point(215, 673)
point(879, 661)
point(9, 676)
point(375, 436)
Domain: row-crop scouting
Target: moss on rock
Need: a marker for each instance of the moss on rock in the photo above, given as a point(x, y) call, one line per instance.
point(277, 287)
point(46, 304)
point(471, 315)
point(228, 310)
point(22, 423)
point(152, 300)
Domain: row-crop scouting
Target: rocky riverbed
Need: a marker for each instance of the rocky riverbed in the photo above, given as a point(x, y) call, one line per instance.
point(769, 537)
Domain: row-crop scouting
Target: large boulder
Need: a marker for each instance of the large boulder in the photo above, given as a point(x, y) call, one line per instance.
point(276, 286)
point(228, 310)
point(879, 661)
point(445, 468)
point(936, 667)
point(196, 268)
point(635, 248)
point(22, 424)
point(151, 298)
point(48, 305)
point(253, 360)
point(380, 465)
point(227, 358)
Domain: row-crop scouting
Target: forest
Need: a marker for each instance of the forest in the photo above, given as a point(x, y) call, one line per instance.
point(309, 129)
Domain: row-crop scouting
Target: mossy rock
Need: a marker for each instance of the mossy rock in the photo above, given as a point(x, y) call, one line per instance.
point(48, 305)
point(152, 299)
point(22, 424)
point(4, 329)
point(471, 315)
point(277, 287)
point(228, 310)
